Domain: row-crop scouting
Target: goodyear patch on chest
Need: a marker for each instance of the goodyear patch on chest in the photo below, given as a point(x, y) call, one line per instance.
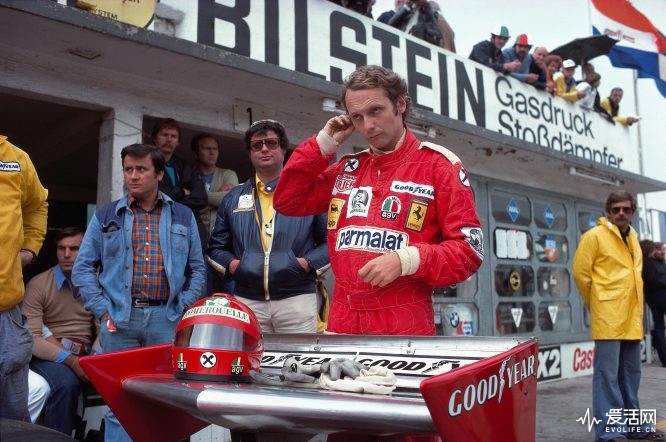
point(416, 189)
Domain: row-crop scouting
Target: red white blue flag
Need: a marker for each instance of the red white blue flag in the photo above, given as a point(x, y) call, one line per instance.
point(640, 45)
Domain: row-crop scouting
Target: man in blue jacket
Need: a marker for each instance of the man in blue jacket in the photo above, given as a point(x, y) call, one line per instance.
point(140, 265)
point(274, 259)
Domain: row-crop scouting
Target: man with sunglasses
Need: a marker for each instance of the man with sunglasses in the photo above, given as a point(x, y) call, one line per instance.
point(607, 270)
point(273, 259)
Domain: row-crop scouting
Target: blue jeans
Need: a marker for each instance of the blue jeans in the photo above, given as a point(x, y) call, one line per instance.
point(147, 326)
point(617, 375)
point(15, 353)
point(61, 405)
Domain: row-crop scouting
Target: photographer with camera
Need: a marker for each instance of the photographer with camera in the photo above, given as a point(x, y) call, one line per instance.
point(417, 18)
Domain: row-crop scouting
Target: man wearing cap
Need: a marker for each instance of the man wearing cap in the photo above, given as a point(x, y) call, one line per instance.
point(489, 52)
point(565, 84)
point(520, 51)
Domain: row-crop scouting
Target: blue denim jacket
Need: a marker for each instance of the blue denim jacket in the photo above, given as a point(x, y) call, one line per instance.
point(103, 267)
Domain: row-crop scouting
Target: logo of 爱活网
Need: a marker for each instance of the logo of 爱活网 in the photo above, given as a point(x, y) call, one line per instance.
point(623, 420)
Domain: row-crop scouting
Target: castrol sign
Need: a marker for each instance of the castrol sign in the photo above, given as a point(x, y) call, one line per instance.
point(500, 389)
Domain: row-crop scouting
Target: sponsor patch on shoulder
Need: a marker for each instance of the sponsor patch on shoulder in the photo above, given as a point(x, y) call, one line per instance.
point(370, 239)
point(464, 178)
point(474, 237)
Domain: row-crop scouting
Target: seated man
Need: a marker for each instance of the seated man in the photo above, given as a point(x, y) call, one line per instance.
point(52, 301)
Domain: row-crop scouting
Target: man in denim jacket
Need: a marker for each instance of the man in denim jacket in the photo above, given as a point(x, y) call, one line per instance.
point(140, 265)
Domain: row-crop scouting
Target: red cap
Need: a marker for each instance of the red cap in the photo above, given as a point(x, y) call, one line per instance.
point(522, 40)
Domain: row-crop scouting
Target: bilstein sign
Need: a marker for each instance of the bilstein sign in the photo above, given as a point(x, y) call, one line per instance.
point(320, 39)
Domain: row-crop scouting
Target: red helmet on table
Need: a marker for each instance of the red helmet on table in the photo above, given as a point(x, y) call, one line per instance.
point(218, 339)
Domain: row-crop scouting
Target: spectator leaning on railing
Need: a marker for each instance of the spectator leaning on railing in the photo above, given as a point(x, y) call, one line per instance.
point(489, 52)
point(611, 105)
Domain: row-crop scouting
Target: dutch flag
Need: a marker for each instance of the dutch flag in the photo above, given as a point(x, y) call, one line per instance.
point(640, 45)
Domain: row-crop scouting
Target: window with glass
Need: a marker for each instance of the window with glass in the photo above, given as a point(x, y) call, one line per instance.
point(553, 282)
point(587, 219)
point(465, 289)
point(514, 280)
point(550, 215)
point(551, 248)
point(459, 319)
point(515, 317)
point(512, 244)
point(511, 209)
point(555, 316)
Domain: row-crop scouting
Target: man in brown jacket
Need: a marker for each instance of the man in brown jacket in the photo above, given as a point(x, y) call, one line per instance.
point(52, 302)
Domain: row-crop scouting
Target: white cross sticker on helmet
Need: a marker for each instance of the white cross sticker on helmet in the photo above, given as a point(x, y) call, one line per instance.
point(208, 360)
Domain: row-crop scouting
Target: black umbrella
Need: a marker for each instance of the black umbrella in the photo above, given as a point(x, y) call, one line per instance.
point(582, 50)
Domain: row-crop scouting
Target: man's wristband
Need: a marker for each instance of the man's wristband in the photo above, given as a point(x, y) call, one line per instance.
point(62, 355)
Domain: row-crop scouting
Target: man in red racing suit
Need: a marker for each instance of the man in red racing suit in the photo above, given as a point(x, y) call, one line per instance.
point(401, 215)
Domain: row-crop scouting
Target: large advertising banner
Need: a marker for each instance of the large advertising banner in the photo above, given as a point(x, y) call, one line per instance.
point(320, 39)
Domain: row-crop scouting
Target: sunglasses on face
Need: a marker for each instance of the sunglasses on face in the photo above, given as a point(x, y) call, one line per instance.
point(271, 143)
point(616, 210)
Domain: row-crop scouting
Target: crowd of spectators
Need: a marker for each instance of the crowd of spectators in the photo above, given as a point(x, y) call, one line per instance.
point(544, 71)
point(548, 72)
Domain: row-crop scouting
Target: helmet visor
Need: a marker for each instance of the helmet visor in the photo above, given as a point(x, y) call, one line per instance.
point(216, 336)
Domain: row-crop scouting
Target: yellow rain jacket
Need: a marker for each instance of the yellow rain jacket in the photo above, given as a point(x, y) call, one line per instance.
point(608, 275)
point(23, 211)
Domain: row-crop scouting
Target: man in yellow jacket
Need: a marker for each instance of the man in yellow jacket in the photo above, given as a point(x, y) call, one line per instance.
point(22, 230)
point(611, 105)
point(607, 270)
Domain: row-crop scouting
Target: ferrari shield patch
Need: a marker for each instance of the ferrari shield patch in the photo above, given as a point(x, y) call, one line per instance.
point(416, 216)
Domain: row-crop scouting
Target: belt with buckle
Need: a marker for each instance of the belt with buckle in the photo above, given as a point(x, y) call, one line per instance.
point(145, 302)
point(75, 346)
